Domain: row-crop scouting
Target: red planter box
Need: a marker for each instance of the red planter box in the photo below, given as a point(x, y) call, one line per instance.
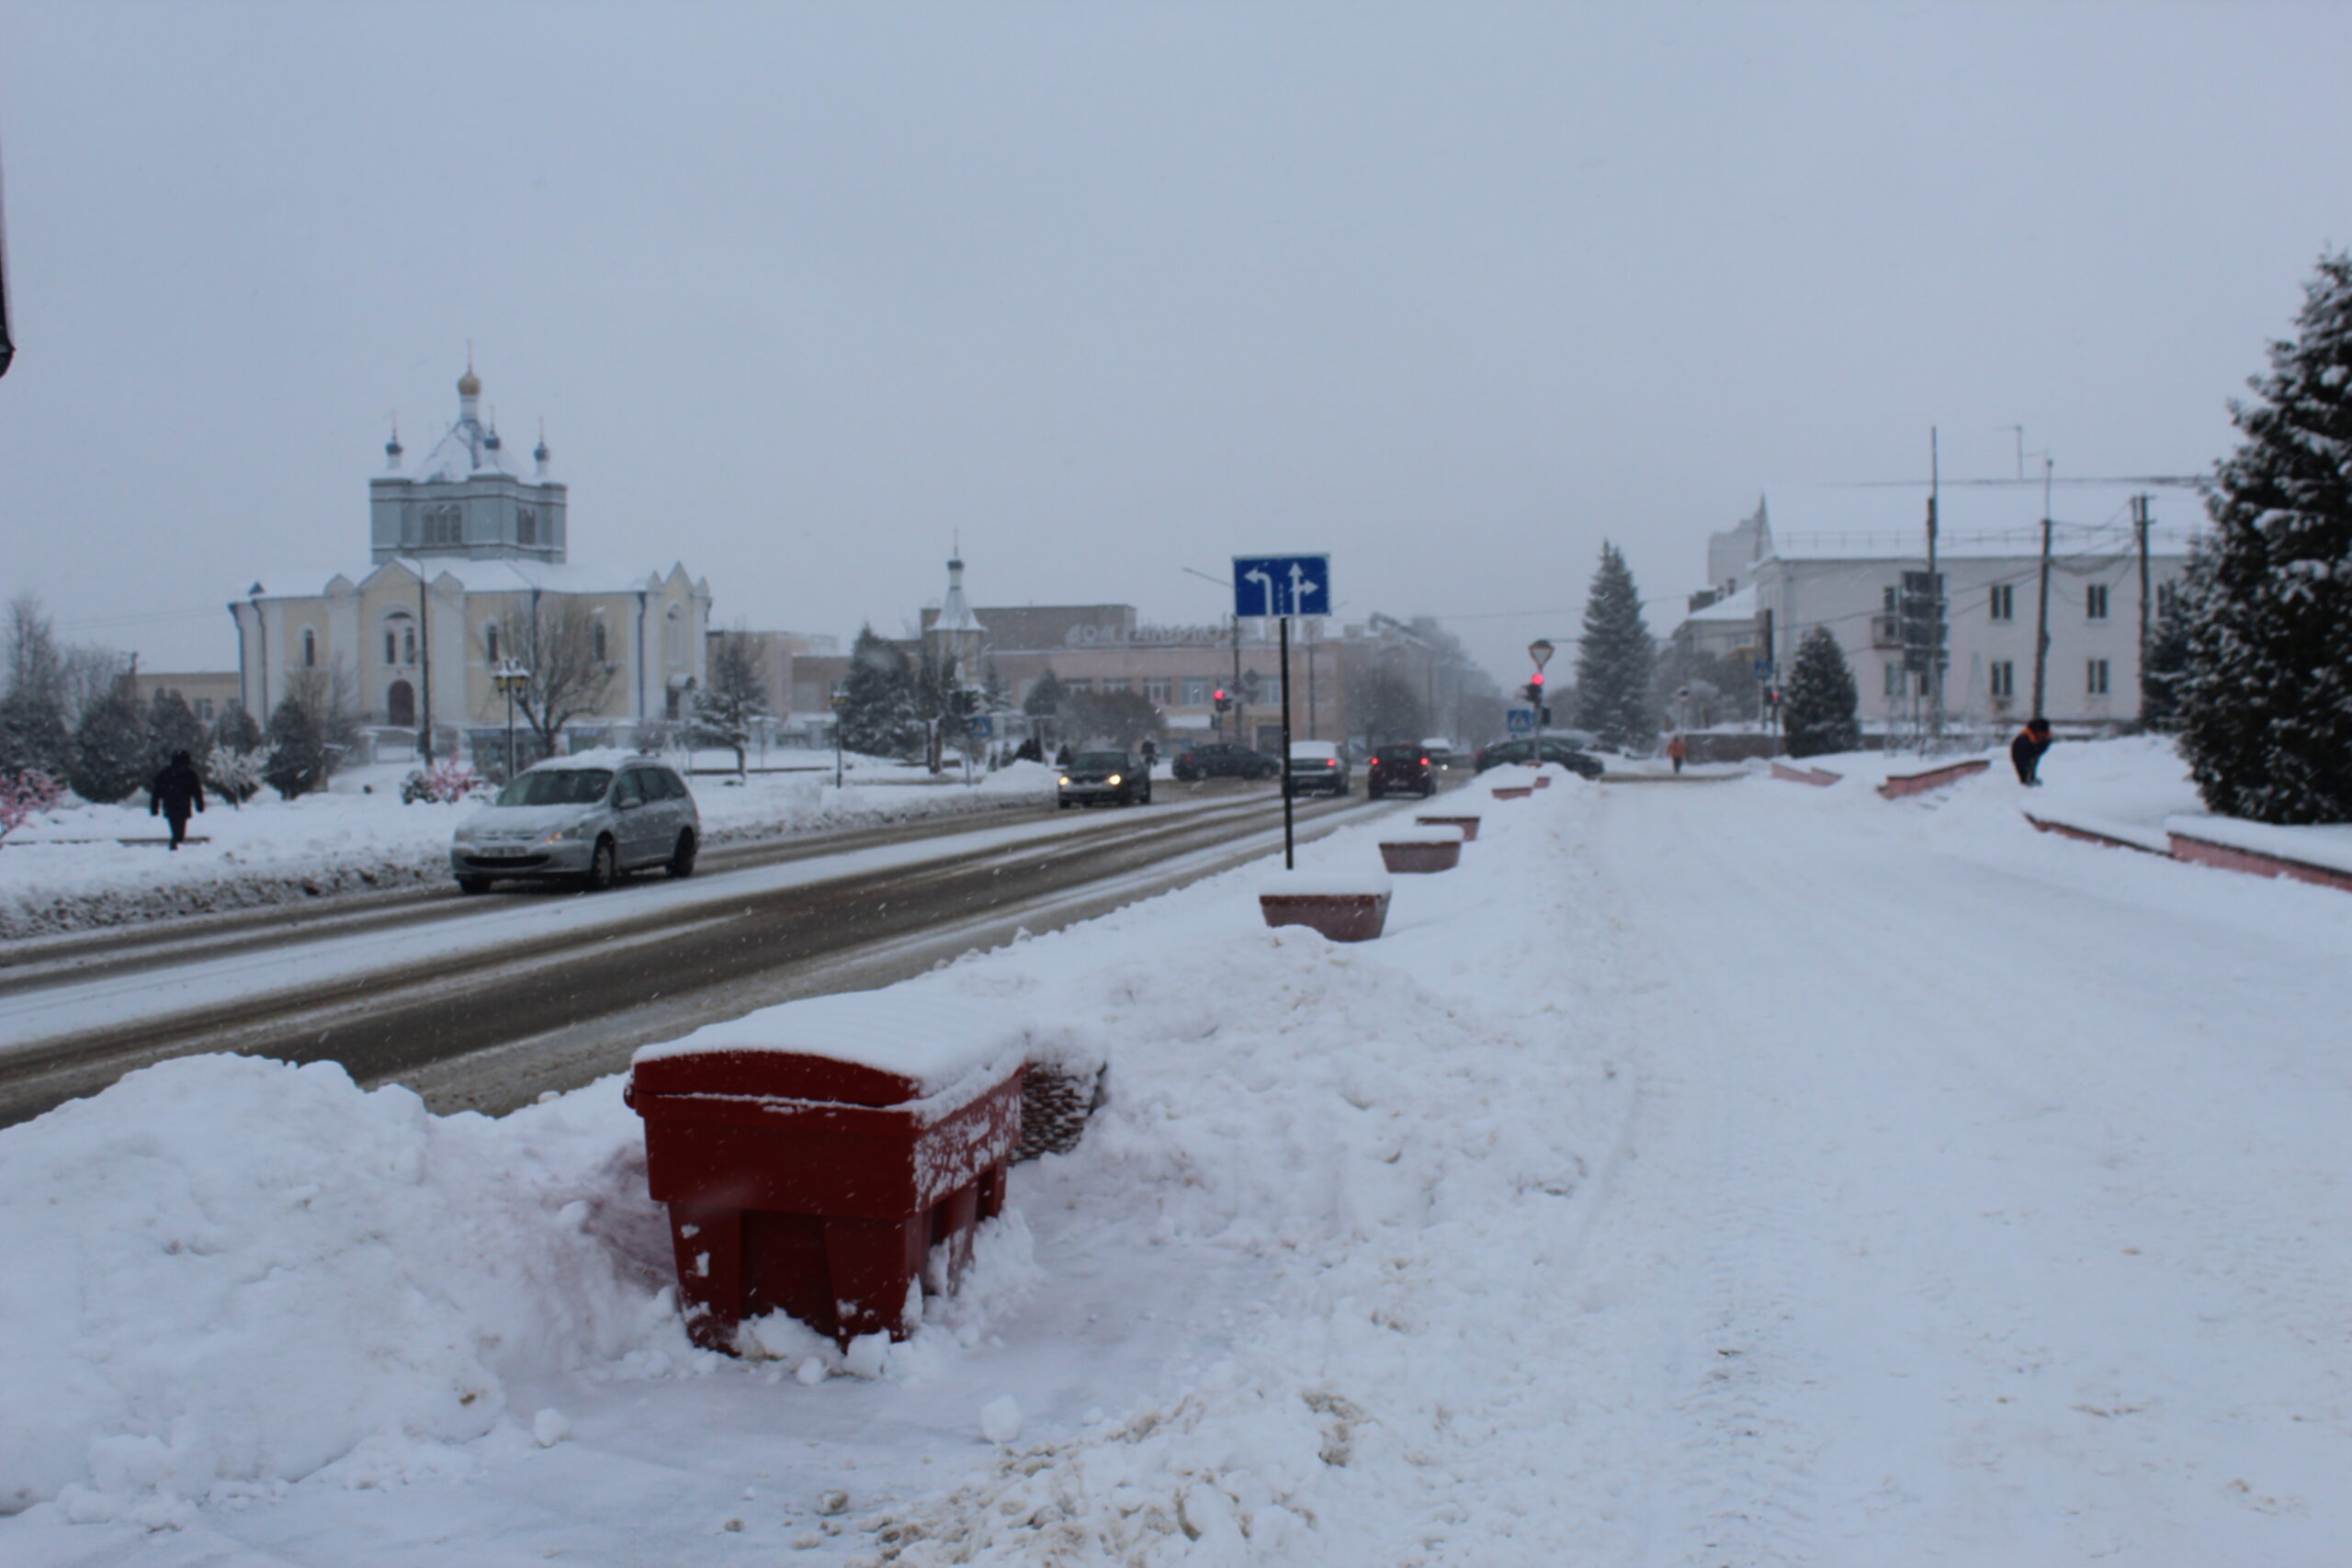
point(1342, 917)
point(2229, 857)
point(1820, 778)
point(1416, 857)
point(1543, 781)
point(1512, 792)
point(1469, 825)
point(819, 1187)
point(1934, 778)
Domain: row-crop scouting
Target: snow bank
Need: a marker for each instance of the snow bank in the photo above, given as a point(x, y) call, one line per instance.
point(225, 1273)
point(71, 872)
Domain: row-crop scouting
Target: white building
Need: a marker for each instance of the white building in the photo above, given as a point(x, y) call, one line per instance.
point(1834, 557)
point(465, 547)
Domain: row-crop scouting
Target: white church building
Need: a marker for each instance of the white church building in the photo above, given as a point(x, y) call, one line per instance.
point(464, 546)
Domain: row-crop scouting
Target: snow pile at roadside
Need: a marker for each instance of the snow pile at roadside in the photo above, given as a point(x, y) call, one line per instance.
point(69, 871)
point(1406, 1137)
point(226, 1273)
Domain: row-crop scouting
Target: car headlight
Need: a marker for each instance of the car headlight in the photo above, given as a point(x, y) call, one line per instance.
point(1064, 779)
point(1114, 779)
point(562, 835)
point(464, 835)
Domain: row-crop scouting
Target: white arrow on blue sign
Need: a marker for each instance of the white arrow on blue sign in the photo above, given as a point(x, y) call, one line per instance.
point(1282, 585)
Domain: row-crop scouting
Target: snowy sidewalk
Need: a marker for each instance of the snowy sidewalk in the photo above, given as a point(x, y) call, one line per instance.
point(1745, 1175)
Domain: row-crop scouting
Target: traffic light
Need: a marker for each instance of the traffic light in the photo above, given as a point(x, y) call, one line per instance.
point(1534, 690)
point(1222, 702)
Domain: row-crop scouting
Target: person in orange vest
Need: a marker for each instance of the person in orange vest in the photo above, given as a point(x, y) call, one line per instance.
point(1677, 750)
point(2026, 749)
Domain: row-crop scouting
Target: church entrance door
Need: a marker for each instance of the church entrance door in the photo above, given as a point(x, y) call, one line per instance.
point(399, 705)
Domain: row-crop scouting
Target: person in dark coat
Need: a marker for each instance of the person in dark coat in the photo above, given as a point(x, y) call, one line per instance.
point(2026, 749)
point(175, 793)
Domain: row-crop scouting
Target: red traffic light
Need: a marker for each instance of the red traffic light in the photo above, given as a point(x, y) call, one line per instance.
point(1537, 680)
point(1220, 693)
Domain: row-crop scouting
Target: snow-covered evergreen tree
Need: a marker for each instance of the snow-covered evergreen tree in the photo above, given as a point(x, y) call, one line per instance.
point(172, 727)
point(878, 711)
point(1616, 660)
point(2266, 700)
point(234, 772)
point(1820, 709)
point(111, 746)
point(297, 750)
point(2167, 661)
point(237, 729)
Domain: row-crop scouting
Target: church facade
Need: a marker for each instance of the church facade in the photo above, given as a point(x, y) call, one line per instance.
point(470, 558)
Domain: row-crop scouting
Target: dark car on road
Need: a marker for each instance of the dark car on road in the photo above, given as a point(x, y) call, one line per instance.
point(1565, 752)
point(1223, 760)
point(1095, 778)
point(1400, 767)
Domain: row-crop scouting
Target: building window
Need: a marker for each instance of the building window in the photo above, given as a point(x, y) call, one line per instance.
point(204, 710)
point(490, 642)
point(1892, 599)
point(1083, 683)
point(2004, 679)
point(392, 646)
point(1115, 683)
point(1159, 691)
point(309, 649)
point(2005, 602)
point(408, 645)
point(526, 524)
point(1196, 693)
point(596, 638)
point(1894, 678)
point(444, 524)
point(2095, 602)
point(2095, 678)
point(673, 640)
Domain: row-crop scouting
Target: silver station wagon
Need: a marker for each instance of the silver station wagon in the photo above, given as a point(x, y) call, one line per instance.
point(587, 817)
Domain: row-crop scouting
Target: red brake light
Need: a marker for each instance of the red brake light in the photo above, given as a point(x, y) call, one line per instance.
point(1330, 761)
point(1425, 762)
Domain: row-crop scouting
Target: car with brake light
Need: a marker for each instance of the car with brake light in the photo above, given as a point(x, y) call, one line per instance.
point(1317, 766)
point(1099, 778)
point(590, 817)
point(1399, 767)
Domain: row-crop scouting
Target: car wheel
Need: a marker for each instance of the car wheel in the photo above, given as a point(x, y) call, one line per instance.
point(682, 859)
point(603, 867)
point(473, 884)
point(1061, 805)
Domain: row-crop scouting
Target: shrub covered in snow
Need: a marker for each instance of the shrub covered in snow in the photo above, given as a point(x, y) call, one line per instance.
point(1821, 711)
point(445, 782)
point(24, 796)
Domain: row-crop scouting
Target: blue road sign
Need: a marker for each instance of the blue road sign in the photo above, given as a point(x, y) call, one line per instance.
point(1763, 669)
point(982, 725)
point(1520, 721)
point(1282, 585)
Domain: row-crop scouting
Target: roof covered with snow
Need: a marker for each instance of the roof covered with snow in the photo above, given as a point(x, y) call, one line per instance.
point(1977, 520)
point(1739, 607)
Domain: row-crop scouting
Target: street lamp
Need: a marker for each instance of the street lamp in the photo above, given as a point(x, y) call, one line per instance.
point(510, 678)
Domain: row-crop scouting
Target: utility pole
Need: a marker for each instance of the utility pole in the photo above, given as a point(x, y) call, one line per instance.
point(2139, 534)
point(1239, 708)
point(1935, 601)
point(1289, 797)
point(2041, 615)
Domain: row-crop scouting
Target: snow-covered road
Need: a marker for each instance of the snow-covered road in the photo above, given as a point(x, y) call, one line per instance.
point(1717, 1174)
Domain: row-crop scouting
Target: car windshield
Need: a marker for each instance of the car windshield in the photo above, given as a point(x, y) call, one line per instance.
point(556, 787)
point(1101, 761)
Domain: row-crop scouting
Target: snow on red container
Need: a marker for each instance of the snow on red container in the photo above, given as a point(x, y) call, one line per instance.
point(1419, 851)
point(1347, 907)
point(828, 1158)
point(2321, 856)
point(1469, 825)
point(1512, 791)
point(1900, 784)
point(1820, 778)
point(1544, 781)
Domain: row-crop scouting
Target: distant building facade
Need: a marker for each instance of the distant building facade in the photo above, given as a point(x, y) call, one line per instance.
point(1834, 557)
point(464, 546)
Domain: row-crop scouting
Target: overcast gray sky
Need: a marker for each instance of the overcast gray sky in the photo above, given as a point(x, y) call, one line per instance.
point(1452, 291)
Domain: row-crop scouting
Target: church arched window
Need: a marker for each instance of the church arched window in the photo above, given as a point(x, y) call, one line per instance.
point(526, 524)
point(490, 642)
point(673, 638)
point(309, 649)
point(596, 638)
point(408, 645)
point(444, 524)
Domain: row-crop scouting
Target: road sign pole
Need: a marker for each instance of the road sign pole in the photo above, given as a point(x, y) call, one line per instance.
point(1289, 857)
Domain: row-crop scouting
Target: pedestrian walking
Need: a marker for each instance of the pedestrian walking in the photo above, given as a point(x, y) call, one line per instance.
point(1677, 751)
point(2026, 749)
point(1150, 754)
point(176, 792)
